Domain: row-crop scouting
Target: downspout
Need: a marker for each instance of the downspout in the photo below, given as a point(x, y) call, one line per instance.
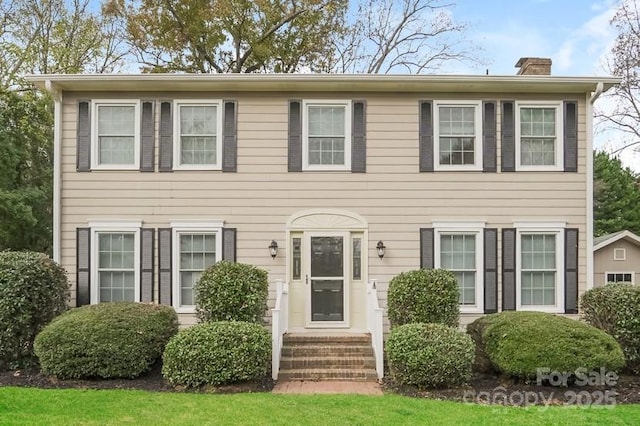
point(591, 100)
point(57, 161)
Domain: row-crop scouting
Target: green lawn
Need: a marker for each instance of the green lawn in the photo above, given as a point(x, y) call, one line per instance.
point(24, 406)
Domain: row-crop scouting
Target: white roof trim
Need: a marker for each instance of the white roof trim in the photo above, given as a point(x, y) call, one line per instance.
point(321, 82)
point(627, 235)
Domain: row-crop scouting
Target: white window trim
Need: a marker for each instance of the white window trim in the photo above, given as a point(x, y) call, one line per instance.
point(559, 147)
point(477, 165)
point(617, 250)
point(95, 154)
point(178, 228)
point(466, 228)
point(113, 227)
point(177, 145)
point(546, 228)
point(347, 134)
point(633, 275)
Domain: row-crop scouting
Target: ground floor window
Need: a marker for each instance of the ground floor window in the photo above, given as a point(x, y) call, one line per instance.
point(620, 277)
point(196, 248)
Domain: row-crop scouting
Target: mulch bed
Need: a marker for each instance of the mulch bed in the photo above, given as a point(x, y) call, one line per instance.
point(491, 389)
point(484, 389)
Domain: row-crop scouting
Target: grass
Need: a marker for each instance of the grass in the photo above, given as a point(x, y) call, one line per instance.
point(30, 406)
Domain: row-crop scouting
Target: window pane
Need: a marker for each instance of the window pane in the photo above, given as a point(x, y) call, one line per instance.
point(116, 149)
point(326, 120)
point(457, 151)
point(538, 135)
point(458, 255)
point(456, 120)
point(197, 253)
point(116, 120)
point(538, 269)
point(357, 258)
point(537, 152)
point(198, 138)
point(326, 151)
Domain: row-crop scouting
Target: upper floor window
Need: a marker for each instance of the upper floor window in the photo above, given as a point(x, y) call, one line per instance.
point(539, 136)
point(327, 135)
point(458, 135)
point(116, 134)
point(198, 134)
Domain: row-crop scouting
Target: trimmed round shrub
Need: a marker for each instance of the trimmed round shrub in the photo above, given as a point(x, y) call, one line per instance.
point(33, 291)
point(518, 343)
point(615, 309)
point(429, 355)
point(108, 340)
point(217, 353)
point(423, 295)
point(232, 292)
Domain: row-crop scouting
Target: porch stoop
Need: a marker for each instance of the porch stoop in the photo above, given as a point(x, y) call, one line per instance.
point(327, 357)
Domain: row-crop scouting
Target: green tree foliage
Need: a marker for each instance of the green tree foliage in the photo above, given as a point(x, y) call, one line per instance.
point(230, 36)
point(26, 127)
point(616, 196)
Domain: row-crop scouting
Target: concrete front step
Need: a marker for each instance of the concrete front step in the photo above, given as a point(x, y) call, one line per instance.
point(305, 350)
point(328, 362)
point(328, 374)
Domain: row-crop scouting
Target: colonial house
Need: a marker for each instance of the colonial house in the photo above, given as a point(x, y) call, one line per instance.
point(332, 183)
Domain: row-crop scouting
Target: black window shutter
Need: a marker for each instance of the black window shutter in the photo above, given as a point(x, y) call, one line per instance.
point(509, 269)
point(83, 268)
point(83, 142)
point(166, 138)
point(571, 271)
point(426, 136)
point(570, 137)
point(229, 137)
point(489, 136)
point(508, 137)
point(359, 138)
point(164, 266)
point(147, 138)
point(229, 244)
point(295, 136)
point(427, 248)
point(146, 264)
point(490, 270)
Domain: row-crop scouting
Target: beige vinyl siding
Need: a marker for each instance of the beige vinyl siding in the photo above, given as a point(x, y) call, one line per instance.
point(603, 262)
point(392, 195)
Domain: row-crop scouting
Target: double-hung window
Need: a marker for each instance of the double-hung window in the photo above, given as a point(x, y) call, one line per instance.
point(198, 134)
point(458, 248)
point(326, 135)
point(458, 135)
point(116, 134)
point(540, 268)
point(196, 247)
point(116, 262)
point(539, 136)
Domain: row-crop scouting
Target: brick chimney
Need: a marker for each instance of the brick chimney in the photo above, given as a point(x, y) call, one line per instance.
point(534, 66)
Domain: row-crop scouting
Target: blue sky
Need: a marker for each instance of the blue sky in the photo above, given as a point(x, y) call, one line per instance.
point(574, 33)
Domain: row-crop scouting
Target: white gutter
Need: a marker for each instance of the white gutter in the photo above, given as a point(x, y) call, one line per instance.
point(57, 162)
point(591, 100)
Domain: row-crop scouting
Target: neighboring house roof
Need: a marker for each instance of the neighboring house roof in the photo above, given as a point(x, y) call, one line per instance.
point(605, 240)
point(322, 82)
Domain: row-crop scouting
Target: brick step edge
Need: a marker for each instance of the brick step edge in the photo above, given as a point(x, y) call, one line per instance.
point(326, 350)
point(335, 362)
point(328, 374)
point(349, 339)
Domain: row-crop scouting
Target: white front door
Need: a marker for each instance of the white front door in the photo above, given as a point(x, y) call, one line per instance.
point(326, 277)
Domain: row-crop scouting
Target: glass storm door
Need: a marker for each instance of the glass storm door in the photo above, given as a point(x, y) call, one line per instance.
point(326, 278)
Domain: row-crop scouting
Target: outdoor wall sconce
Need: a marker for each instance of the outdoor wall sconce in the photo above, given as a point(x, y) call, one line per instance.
point(381, 248)
point(273, 249)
